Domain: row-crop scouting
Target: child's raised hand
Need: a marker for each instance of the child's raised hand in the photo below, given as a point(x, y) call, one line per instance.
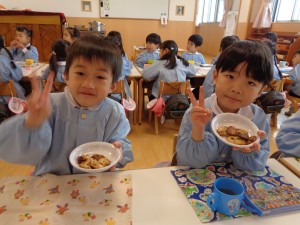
point(199, 115)
point(255, 146)
point(38, 103)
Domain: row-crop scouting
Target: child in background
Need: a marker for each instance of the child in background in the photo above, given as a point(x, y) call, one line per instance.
point(21, 47)
point(208, 81)
point(169, 68)
point(294, 89)
point(9, 71)
point(152, 44)
point(242, 73)
point(288, 136)
point(194, 42)
point(71, 34)
point(277, 73)
point(115, 38)
point(271, 36)
point(57, 123)
point(57, 62)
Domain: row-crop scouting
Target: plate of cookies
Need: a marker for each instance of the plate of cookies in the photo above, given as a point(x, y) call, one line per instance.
point(94, 157)
point(235, 130)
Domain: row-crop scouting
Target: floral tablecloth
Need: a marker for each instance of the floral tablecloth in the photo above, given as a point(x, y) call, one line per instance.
point(104, 198)
point(197, 185)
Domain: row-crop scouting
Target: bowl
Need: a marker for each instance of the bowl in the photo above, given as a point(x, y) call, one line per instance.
point(103, 148)
point(237, 121)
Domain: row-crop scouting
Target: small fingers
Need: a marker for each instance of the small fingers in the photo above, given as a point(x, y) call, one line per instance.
point(201, 96)
point(192, 97)
point(261, 134)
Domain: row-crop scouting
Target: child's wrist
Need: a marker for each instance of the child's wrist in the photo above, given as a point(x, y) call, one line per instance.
point(31, 122)
point(198, 134)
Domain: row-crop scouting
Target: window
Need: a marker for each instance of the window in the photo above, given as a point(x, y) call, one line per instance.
point(209, 11)
point(287, 10)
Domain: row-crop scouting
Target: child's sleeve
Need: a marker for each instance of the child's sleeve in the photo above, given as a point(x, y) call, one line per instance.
point(117, 129)
point(295, 74)
point(201, 59)
point(152, 71)
point(32, 54)
point(288, 137)
point(141, 59)
point(19, 144)
point(126, 68)
point(196, 154)
point(255, 160)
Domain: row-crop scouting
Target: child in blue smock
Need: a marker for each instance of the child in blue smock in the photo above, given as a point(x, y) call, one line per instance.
point(169, 68)
point(57, 123)
point(242, 73)
point(9, 71)
point(21, 47)
point(57, 62)
point(277, 73)
point(294, 89)
point(115, 37)
point(208, 81)
point(288, 136)
point(194, 42)
point(152, 44)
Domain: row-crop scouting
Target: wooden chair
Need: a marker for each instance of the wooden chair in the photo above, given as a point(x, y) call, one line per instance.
point(295, 102)
point(174, 158)
point(169, 88)
point(8, 89)
point(276, 85)
point(144, 90)
point(56, 86)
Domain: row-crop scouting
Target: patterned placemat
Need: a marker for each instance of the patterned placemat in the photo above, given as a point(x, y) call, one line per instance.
point(197, 185)
point(76, 199)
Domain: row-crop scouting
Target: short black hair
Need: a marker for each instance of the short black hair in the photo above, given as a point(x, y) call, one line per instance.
point(256, 54)
point(93, 47)
point(153, 38)
point(25, 30)
point(196, 39)
point(271, 36)
point(227, 41)
point(74, 32)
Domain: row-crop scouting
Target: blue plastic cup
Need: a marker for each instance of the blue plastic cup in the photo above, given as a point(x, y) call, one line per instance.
point(227, 196)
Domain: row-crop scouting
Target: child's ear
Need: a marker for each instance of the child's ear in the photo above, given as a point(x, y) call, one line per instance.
point(113, 87)
point(66, 76)
point(215, 76)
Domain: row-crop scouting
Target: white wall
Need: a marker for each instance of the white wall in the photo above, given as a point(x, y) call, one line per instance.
point(71, 8)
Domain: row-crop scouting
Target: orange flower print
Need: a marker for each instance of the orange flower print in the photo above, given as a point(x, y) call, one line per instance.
point(19, 194)
point(123, 209)
point(2, 209)
point(75, 194)
point(62, 209)
point(109, 189)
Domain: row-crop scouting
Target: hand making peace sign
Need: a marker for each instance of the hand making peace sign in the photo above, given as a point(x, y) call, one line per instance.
point(39, 106)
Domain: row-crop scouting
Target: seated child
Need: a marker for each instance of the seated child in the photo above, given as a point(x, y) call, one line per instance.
point(194, 42)
point(71, 34)
point(288, 136)
point(9, 71)
point(170, 67)
point(294, 89)
point(21, 47)
point(116, 38)
point(152, 43)
point(57, 123)
point(242, 73)
point(208, 81)
point(277, 73)
point(57, 62)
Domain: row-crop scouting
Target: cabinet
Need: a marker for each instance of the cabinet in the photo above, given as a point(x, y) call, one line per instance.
point(287, 44)
point(46, 27)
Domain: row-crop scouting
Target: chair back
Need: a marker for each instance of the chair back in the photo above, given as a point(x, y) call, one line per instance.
point(8, 89)
point(276, 85)
point(176, 87)
point(56, 86)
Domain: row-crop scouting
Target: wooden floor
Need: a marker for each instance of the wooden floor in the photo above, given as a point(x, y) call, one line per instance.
point(148, 148)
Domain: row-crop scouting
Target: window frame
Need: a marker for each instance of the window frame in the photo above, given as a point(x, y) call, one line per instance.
point(277, 7)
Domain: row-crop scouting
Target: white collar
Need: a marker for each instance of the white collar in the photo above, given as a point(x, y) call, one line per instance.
point(245, 111)
point(196, 53)
point(74, 103)
point(61, 63)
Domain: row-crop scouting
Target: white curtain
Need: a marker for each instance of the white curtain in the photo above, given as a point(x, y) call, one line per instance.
point(264, 16)
point(198, 12)
point(227, 7)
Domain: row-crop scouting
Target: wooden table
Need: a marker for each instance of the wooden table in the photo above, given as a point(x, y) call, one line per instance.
point(158, 200)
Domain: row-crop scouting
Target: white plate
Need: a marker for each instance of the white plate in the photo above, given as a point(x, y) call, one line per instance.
point(206, 65)
point(236, 120)
point(16, 105)
point(103, 148)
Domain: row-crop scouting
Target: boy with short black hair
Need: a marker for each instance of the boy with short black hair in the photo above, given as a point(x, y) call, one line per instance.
point(153, 42)
point(192, 54)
